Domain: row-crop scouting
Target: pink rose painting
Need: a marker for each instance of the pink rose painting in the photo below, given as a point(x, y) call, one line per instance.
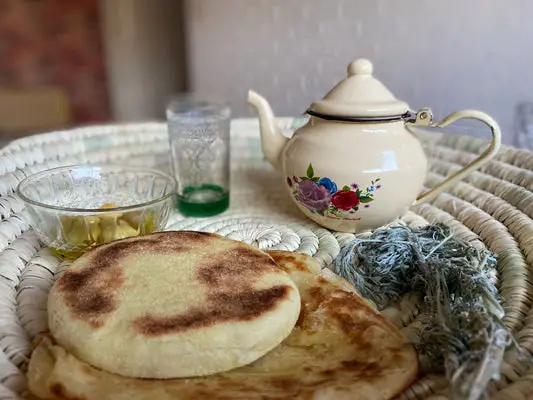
point(321, 195)
point(313, 196)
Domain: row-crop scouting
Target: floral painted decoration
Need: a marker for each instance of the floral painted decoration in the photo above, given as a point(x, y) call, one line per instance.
point(321, 195)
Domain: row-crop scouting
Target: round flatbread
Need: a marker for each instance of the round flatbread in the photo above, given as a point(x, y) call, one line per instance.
point(340, 349)
point(172, 304)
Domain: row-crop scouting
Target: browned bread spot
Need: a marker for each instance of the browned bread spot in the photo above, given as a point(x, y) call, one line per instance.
point(303, 313)
point(223, 307)
point(229, 280)
point(61, 392)
point(322, 281)
point(369, 371)
point(286, 385)
point(288, 262)
point(89, 292)
point(233, 269)
point(172, 241)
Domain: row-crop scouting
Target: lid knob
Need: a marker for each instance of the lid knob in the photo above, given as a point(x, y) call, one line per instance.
point(360, 67)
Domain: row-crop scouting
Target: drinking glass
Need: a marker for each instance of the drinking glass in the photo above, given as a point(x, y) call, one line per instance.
point(199, 136)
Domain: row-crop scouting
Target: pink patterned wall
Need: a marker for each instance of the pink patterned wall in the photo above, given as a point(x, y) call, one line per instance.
point(55, 42)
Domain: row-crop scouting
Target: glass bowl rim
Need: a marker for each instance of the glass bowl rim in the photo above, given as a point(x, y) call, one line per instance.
point(98, 167)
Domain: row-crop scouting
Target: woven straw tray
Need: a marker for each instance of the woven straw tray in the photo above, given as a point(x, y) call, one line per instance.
point(491, 208)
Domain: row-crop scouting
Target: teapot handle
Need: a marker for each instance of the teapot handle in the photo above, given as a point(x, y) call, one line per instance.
point(424, 118)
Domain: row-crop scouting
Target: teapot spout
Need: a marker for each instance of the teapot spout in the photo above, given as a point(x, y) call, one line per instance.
point(272, 140)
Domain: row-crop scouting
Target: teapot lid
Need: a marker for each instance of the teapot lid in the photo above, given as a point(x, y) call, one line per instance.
point(359, 97)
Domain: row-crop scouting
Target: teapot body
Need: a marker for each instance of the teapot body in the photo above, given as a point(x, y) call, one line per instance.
point(353, 177)
point(357, 165)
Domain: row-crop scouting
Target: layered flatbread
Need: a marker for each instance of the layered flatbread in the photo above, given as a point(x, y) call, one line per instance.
point(340, 349)
point(172, 304)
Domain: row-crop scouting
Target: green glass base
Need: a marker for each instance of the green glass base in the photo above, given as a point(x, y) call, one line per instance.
point(203, 201)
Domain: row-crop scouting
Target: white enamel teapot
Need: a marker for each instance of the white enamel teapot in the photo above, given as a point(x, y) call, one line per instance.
point(356, 165)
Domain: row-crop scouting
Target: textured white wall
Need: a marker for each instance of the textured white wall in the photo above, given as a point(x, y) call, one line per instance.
point(446, 54)
point(143, 40)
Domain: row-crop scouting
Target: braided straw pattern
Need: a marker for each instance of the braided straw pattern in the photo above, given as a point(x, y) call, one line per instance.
point(491, 208)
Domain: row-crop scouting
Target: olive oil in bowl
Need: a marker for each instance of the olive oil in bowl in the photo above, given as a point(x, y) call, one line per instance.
point(80, 234)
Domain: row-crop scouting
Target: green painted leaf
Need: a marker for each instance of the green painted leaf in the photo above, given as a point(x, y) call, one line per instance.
point(377, 180)
point(356, 208)
point(315, 179)
point(358, 192)
point(365, 199)
point(346, 187)
point(305, 178)
point(310, 171)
